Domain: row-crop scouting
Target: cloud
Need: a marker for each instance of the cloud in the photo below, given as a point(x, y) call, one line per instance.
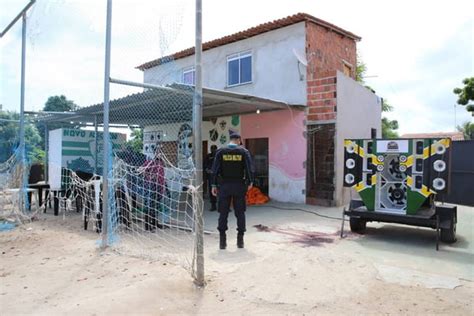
point(424, 89)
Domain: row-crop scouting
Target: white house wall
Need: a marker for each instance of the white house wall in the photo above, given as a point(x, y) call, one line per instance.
point(275, 67)
point(358, 111)
point(55, 158)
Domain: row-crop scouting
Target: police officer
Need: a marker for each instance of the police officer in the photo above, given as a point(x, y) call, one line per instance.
point(233, 169)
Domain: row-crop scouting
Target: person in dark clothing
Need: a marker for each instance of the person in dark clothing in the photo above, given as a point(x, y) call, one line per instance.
point(154, 188)
point(233, 169)
point(208, 168)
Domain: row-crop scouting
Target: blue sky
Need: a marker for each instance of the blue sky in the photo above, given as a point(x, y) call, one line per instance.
point(417, 51)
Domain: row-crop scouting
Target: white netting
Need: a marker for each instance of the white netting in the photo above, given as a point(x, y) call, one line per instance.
point(10, 178)
point(152, 196)
point(15, 194)
point(155, 207)
point(10, 173)
point(152, 206)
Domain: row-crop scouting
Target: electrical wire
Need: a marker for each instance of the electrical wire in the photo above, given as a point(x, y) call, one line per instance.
point(298, 209)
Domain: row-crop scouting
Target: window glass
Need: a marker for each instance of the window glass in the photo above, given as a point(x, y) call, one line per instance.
point(246, 69)
point(189, 77)
point(239, 68)
point(233, 71)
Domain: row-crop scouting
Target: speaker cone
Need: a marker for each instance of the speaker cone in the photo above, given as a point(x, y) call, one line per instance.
point(439, 184)
point(349, 178)
point(350, 163)
point(439, 165)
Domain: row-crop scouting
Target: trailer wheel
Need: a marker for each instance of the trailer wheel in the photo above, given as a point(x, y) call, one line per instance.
point(358, 225)
point(448, 235)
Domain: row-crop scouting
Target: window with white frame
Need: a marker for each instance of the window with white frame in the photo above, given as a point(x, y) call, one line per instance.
point(239, 68)
point(189, 76)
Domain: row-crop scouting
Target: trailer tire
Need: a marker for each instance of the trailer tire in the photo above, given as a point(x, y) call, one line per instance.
point(358, 225)
point(448, 235)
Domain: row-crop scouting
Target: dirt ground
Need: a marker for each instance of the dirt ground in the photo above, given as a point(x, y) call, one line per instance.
point(294, 263)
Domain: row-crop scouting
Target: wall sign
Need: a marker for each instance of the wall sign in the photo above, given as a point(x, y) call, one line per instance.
point(392, 146)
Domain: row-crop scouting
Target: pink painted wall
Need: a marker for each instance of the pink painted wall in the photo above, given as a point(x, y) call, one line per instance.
point(287, 146)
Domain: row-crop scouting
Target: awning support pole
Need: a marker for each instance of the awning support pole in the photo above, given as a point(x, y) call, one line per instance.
point(197, 133)
point(106, 136)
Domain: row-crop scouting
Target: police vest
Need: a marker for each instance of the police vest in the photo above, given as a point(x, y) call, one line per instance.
point(233, 164)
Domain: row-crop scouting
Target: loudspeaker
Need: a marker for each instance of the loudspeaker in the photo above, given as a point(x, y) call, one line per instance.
point(353, 160)
point(439, 164)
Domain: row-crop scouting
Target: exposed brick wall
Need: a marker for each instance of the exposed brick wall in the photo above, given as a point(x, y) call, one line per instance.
point(321, 95)
point(327, 51)
point(320, 184)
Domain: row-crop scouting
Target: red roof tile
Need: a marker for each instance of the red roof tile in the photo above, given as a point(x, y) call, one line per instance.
point(253, 31)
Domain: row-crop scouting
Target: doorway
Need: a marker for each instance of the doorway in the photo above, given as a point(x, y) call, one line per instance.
point(258, 148)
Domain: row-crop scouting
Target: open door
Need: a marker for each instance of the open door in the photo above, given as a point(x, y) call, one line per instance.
point(258, 148)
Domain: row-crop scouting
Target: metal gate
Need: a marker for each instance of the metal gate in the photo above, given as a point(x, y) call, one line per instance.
point(462, 173)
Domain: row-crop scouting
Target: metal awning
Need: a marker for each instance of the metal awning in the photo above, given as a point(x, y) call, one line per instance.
point(168, 104)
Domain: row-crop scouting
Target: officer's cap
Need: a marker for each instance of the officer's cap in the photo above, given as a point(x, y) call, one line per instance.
point(234, 135)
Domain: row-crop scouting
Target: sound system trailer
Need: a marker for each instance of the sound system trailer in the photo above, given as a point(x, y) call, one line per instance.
point(401, 181)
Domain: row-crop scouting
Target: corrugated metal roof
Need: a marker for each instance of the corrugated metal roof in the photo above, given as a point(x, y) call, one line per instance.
point(170, 104)
point(253, 31)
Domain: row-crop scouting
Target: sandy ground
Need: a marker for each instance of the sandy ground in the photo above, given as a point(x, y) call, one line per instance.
point(298, 266)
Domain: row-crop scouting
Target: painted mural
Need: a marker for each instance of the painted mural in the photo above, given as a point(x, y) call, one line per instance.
point(287, 146)
point(78, 148)
point(217, 130)
point(287, 151)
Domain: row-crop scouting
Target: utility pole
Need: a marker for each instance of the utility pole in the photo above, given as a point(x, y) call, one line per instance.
point(197, 122)
point(106, 136)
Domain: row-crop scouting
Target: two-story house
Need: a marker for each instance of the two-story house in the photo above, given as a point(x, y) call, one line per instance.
point(300, 60)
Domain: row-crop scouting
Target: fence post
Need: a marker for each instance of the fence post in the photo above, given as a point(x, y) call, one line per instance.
point(197, 122)
point(24, 180)
point(105, 171)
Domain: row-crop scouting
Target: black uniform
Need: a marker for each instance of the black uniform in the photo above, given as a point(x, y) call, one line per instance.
point(232, 170)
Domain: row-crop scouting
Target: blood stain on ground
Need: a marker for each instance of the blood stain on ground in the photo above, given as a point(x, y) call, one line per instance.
point(305, 238)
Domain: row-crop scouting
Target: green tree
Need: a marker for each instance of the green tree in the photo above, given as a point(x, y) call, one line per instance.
point(467, 128)
point(466, 94)
point(389, 127)
point(59, 104)
point(56, 104)
point(361, 70)
point(10, 140)
point(136, 141)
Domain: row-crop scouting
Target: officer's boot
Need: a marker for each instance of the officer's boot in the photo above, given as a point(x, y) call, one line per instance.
point(222, 241)
point(240, 240)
